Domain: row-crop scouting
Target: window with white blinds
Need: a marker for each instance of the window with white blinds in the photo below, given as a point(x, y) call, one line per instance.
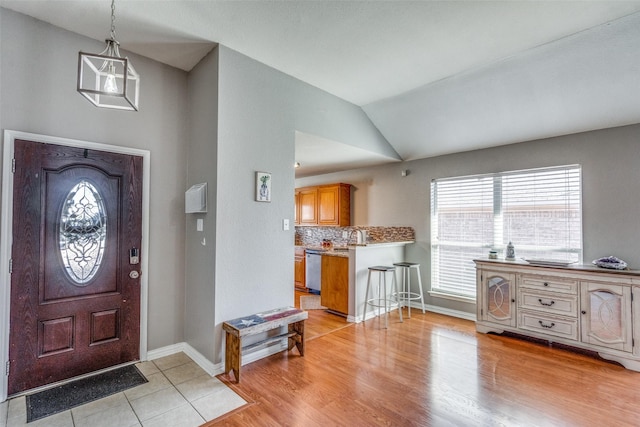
point(538, 210)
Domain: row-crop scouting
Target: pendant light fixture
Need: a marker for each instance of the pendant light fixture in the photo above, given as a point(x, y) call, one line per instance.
point(106, 79)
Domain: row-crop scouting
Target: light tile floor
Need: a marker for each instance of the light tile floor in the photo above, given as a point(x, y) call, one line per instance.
point(179, 394)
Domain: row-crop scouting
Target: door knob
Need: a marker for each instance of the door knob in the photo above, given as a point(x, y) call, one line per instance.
point(134, 274)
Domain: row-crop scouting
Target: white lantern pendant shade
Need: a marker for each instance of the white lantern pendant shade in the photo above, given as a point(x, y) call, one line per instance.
point(106, 79)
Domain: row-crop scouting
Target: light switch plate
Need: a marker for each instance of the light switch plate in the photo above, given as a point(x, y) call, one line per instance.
point(285, 224)
point(199, 224)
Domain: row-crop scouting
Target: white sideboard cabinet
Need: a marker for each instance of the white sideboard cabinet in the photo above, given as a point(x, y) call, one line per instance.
point(581, 306)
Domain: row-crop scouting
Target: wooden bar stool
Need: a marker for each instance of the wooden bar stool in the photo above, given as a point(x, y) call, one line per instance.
point(405, 296)
point(382, 298)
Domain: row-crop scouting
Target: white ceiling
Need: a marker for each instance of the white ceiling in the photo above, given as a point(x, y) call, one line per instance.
point(434, 76)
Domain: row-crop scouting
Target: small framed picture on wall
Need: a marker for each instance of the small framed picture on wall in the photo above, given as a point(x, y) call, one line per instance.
point(263, 187)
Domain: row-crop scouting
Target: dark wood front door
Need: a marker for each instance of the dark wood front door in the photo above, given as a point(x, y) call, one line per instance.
point(75, 292)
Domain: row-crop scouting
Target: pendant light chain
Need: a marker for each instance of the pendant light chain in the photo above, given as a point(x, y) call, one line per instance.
point(113, 19)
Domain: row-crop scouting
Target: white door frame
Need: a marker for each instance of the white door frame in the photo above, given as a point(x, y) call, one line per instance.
point(6, 235)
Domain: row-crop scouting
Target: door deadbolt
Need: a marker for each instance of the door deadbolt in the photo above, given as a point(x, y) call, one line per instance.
point(134, 256)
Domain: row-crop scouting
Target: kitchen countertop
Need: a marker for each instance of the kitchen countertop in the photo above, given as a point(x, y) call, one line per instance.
point(343, 251)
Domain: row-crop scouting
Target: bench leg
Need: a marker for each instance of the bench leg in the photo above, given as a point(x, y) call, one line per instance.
point(232, 356)
point(298, 339)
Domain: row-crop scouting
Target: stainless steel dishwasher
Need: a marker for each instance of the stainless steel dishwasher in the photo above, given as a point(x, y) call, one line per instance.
point(313, 269)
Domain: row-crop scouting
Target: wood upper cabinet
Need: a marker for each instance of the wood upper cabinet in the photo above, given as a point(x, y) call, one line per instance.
point(299, 269)
point(325, 205)
point(334, 288)
point(307, 199)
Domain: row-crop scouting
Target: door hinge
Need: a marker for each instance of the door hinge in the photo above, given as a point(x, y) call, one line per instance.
point(7, 367)
point(13, 165)
point(10, 265)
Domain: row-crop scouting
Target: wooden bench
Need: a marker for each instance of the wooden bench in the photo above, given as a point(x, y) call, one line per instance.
point(241, 327)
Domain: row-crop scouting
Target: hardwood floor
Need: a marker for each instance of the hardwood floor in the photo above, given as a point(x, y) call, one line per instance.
point(433, 370)
point(320, 322)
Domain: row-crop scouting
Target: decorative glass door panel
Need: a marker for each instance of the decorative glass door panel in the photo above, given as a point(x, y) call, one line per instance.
point(606, 311)
point(499, 298)
point(82, 232)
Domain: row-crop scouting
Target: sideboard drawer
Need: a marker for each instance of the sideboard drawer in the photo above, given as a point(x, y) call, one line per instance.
point(548, 325)
point(549, 284)
point(563, 304)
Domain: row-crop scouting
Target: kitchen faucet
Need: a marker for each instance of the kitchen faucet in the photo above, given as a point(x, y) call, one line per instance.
point(361, 237)
point(351, 235)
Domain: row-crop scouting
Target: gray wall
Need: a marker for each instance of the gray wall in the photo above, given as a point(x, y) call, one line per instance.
point(257, 113)
point(38, 68)
point(610, 176)
point(202, 167)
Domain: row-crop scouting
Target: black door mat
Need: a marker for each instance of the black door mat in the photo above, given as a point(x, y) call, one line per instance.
point(76, 393)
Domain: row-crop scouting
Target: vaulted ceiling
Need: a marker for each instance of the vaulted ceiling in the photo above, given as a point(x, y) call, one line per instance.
point(434, 77)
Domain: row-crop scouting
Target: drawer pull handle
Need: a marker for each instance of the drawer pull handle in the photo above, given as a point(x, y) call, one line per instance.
point(546, 326)
point(545, 284)
point(548, 304)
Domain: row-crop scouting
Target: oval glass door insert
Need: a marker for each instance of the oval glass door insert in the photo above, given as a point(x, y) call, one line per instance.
point(83, 232)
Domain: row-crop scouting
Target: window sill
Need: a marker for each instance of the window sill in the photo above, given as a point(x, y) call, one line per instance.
point(459, 298)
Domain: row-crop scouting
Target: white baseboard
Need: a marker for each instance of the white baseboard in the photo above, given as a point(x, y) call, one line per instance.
point(165, 351)
point(210, 367)
point(447, 312)
point(416, 306)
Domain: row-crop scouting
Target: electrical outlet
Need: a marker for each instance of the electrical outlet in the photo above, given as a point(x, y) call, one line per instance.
point(345, 234)
point(308, 233)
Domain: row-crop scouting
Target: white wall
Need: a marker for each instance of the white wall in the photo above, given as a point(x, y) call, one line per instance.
point(38, 68)
point(610, 176)
point(577, 83)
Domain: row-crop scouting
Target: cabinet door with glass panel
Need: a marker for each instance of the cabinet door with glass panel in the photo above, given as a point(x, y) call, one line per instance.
point(606, 315)
point(497, 297)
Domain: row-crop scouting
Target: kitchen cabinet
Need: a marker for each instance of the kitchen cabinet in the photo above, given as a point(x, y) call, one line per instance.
point(334, 205)
point(334, 291)
point(324, 205)
point(307, 207)
point(299, 268)
point(580, 306)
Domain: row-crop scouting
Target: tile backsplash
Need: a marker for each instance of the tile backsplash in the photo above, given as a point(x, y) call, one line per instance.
point(313, 236)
